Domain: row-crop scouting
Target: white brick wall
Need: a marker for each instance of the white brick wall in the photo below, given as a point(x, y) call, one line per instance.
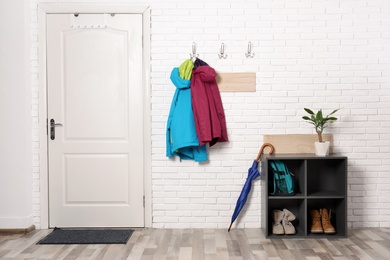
point(308, 53)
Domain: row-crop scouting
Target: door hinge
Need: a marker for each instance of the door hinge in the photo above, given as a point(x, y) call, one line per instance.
point(144, 201)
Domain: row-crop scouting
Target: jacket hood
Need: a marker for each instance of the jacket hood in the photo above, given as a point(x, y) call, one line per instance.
point(198, 62)
point(185, 69)
point(178, 81)
point(205, 73)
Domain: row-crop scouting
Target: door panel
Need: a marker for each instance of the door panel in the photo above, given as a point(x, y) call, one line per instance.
point(108, 116)
point(80, 169)
point(94, 90)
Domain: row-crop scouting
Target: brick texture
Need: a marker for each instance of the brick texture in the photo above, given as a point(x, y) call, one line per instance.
point(308, 53)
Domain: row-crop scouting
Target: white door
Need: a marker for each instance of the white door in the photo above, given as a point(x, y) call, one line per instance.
point(95, 120)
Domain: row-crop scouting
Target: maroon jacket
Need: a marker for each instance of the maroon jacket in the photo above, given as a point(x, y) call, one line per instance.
point(207, 106)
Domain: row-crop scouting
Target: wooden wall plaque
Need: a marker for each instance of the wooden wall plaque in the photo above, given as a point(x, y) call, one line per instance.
point(296, 143)
point(236, 81)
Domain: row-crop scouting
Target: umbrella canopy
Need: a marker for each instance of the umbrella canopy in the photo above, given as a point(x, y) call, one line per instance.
point(253, 173)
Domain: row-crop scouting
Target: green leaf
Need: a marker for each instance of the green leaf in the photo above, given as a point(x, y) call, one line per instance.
point(319, 115)
point(334, 111)
point(309, 111)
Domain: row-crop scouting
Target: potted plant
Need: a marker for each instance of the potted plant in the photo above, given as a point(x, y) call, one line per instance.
point(320, 123)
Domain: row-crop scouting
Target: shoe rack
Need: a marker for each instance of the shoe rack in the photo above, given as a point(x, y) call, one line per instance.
point(320, 182)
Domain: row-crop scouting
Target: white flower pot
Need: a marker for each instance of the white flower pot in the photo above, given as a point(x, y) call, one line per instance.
point(322, 149)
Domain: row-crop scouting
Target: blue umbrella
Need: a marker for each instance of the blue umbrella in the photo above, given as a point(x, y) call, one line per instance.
point(253, 173)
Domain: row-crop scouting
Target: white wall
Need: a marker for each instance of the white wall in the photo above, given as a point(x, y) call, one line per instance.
point(15, 117)
point(308, 53)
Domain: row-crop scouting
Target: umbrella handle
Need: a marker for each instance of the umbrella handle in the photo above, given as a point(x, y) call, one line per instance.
point(262, 148)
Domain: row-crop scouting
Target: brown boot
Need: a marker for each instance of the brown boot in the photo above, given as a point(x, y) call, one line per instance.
point(325, 219)
point(316, 226)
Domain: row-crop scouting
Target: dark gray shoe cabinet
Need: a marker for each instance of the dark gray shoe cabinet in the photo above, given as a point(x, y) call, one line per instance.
point(320, 182)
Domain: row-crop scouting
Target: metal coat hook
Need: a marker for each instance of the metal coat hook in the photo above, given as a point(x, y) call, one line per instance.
point(249, 53)
point(194, 55)
point(222, 52)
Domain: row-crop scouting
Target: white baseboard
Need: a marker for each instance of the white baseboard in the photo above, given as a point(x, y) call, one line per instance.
point(16, 222)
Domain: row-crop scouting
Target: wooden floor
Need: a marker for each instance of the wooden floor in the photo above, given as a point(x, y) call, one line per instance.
point(214, 244)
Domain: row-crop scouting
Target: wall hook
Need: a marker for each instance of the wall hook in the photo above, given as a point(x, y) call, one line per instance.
point(249, 53)
point(222, 52)
point(194, 55)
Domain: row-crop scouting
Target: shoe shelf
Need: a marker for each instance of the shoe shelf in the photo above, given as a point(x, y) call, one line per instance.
point(320, 183)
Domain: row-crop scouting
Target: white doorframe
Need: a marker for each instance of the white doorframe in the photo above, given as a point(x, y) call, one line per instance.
point(43, 10)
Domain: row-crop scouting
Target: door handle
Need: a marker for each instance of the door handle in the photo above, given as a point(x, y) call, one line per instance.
point(53, 126)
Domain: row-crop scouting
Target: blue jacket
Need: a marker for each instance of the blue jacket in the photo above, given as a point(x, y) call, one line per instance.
point(181, 138)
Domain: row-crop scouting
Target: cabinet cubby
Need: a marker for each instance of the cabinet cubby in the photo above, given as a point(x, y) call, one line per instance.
point(320, 182)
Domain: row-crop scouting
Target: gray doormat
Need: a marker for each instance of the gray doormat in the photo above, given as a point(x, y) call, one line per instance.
point(87, 236)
